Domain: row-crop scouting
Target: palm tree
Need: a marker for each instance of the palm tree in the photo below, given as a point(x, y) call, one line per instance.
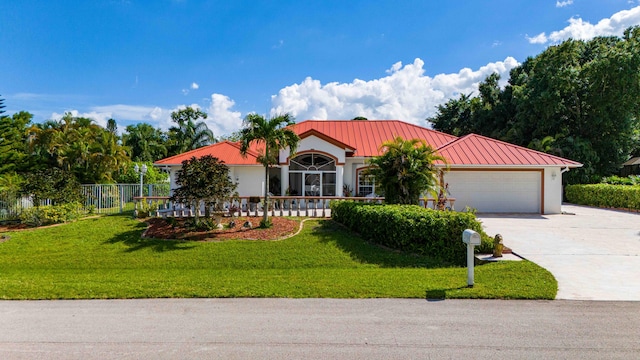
point(406, 169)
point(189, 134)
point(146, 142)
point(274, 135)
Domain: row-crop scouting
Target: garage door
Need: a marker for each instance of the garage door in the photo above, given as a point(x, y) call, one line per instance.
point(496, 191)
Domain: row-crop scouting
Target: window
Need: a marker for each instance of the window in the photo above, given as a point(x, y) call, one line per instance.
point(366, 184)
point(312, 175)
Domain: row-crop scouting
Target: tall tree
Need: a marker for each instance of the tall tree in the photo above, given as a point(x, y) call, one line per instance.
point(271, 135)
point(112, 126)
point(406, 170)
point(14, 151)
point(79, 146)
point(189, 133)
point(145, 142)
point(577, 99)
point(2, 106)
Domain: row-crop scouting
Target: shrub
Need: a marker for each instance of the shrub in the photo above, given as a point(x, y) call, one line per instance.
point(411, 228)
point(146, 208)
point(617, 180)
point(51, 214)
point(604, 195)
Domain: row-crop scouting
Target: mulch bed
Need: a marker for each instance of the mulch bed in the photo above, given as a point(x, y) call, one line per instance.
point(13, 227)
point(159, 228)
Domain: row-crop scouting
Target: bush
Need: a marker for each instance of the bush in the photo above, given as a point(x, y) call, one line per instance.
point(61, 187)
point(411, 228)
point(604, 195)
point(51, 214)
point(617, 180)
point(146, 208)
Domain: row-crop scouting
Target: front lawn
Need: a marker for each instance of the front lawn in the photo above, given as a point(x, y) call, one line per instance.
point(105, 257)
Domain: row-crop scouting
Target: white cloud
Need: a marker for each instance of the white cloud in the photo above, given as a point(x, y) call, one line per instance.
point(564, 3)
point(583, 30)
point(406, 93)
point(538, 39)
point(99, 117)
point(100, 114)
point(221, 119)
point(195, 86)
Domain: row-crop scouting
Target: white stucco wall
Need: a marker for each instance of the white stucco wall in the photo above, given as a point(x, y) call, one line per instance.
point(552, 190)
point(251, 179)
point(350, 167)
point(313, 143)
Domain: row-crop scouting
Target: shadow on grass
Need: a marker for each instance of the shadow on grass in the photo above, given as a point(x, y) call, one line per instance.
point(331, 232)
point(134, 241)
point(440, 294)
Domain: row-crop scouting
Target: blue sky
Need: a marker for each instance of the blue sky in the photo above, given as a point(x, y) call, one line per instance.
point(137, 61)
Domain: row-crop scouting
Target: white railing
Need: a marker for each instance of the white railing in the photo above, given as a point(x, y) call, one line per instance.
point(304, 206)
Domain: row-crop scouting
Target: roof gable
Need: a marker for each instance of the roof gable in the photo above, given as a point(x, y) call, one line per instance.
point(365, 137)
point(476, 149)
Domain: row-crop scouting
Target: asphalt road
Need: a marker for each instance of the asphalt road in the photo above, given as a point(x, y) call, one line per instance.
point(318, 329)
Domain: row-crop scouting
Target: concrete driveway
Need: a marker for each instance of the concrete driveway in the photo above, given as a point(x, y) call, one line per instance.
point(593, 253)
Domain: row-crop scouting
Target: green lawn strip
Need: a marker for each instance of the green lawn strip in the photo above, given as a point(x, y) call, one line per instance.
point(106, 258)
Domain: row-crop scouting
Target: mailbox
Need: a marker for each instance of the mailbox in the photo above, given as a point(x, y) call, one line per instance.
point(471, 237)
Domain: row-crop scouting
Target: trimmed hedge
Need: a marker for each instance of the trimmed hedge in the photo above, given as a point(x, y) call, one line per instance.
point(604, 195)
point(411, 228)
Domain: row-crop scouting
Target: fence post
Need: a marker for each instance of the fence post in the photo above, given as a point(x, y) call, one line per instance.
point(99, 199)
point(121, 198)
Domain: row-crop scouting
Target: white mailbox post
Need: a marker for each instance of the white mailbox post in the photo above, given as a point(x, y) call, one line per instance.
point(471, 238)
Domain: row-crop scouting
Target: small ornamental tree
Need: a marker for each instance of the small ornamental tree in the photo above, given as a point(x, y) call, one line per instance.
point(204, 179)
point(59, 186)
point(406, 170)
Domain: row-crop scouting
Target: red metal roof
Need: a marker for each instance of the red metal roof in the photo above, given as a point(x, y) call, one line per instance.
point(226, 151)
point(475, 149)
point(366, 136)
point(363, 139)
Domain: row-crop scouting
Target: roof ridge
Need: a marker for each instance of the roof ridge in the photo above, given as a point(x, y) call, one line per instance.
point(509, 145)
point(186, 152)
point(524, 147)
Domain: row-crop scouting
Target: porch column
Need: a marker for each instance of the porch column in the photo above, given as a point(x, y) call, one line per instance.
point(339, 179)
point(284, 179)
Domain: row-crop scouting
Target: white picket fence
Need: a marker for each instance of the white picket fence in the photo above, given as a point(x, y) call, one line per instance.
point(99, 198)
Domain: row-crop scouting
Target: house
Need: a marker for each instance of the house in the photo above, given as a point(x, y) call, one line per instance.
point(484, 173)
point(631, 167)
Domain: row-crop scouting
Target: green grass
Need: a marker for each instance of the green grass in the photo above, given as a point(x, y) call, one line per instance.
point(106, 258)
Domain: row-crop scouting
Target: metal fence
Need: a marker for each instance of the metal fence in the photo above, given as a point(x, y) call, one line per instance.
point(98, 198)
point(109, 199)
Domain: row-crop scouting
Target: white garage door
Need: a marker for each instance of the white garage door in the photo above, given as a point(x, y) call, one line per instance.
point(496, 191)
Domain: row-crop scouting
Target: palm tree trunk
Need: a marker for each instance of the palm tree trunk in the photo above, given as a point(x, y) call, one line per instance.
point(265, 216)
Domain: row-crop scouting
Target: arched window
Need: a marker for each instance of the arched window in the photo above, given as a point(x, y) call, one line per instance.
point(312, 174)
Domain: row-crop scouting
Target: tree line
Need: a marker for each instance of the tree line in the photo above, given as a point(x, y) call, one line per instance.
point(577, 99)
point(77, 148)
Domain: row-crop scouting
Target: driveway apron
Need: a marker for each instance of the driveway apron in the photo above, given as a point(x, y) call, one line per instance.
point(593, 253)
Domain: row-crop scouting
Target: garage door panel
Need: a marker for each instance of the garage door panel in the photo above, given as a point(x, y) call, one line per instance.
point(496, 191)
